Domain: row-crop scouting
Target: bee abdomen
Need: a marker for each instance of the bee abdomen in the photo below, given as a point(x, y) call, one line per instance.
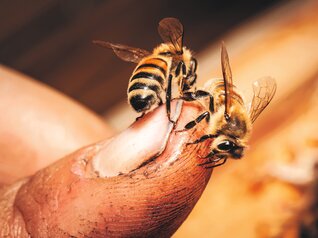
point(150, 76)
point(147, 83)
point(144, 86)
point(150, 65)
point(143, 95)
point(142, 101)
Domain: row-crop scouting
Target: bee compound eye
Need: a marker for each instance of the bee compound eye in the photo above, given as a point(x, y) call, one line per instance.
point(226, 145)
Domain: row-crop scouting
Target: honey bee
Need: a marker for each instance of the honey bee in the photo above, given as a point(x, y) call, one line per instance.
point(229, 121)
point(170, 61)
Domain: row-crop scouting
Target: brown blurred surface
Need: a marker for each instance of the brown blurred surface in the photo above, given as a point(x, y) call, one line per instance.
point(51, 40)
point(39, 125)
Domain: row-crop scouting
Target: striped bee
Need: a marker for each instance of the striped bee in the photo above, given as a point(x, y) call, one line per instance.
point(153, 76)
point(229, 121)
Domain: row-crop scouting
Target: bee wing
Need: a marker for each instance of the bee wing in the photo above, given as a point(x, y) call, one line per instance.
point(227, 77)
point(126, 53)
point(264, 90)
point(171, 31)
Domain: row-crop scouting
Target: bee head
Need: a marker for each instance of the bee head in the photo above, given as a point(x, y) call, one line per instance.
point(232, 133)
point(226, 147)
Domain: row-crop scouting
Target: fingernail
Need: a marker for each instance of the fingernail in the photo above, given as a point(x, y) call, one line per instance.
point(144, 139)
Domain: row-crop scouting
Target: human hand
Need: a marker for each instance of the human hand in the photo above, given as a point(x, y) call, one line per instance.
point(82, 195)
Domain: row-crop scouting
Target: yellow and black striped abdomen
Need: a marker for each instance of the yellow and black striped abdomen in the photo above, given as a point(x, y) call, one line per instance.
point(146, 83)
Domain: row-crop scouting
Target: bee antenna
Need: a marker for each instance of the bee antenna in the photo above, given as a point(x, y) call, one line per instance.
point(227, 79)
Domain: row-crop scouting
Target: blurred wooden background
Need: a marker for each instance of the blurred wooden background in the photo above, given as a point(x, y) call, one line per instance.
point(50, 40)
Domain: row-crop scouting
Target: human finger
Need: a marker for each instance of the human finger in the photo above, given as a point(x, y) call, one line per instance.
point(72, 199)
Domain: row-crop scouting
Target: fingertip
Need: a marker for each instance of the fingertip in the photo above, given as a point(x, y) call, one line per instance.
point(151, 200)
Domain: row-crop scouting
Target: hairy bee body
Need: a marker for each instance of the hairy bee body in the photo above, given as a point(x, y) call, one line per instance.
point(229, 121)
point(235, 128)
point(147, 83)
point(150, 78)
point(156, 70)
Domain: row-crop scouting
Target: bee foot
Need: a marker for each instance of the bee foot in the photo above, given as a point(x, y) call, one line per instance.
point(179, 131)
point(203, 164)
point(137, 118)
point(173, 122)
point(190, 143)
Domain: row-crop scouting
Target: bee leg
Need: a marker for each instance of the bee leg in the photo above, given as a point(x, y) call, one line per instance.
point(191, 124)
point(168, 99)
point(202, 94)
point(190, 83)
point(189, 78)
point(180, 68)
point(182, 86)
point(188, 96)
point(216, 165)
point(205, 163)
point(208, 156)
point(184, 70)
point(187, 83)
point(202, 138)
point(192, 96)
point(211, 104)
point(214, 161)
point(181, 71)
point(142, 114)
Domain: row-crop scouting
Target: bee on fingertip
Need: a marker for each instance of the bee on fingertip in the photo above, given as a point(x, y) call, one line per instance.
point(155, 71)
point(229, 119)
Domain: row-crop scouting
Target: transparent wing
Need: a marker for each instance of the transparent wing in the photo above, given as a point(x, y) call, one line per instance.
point(264, 90)
point(124, 52)
point(227, 77)
point(171, 31)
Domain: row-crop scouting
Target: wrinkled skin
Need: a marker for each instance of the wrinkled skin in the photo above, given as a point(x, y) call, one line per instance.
point(69, 199)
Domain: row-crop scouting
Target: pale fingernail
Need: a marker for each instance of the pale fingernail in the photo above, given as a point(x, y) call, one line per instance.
point(144, 139)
